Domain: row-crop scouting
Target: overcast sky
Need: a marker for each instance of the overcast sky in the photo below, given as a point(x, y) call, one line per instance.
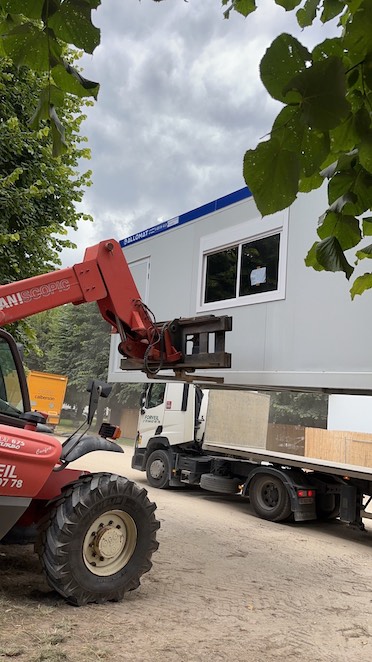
point(180, 102)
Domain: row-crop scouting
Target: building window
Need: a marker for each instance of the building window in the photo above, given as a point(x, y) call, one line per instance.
point(250, 269)
point(221, 275)
point(259, 266)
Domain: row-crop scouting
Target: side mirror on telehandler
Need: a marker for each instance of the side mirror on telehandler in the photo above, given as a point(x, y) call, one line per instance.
point(97, 390)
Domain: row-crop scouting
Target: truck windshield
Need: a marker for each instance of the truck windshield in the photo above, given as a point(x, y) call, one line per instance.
point(11, 401)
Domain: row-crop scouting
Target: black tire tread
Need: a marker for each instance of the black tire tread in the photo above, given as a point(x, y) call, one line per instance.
point(162, 484)
point(58, 527)
point(281, 512)
point(221, 484)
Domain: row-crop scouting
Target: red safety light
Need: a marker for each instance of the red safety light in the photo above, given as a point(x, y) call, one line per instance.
point(305, 493)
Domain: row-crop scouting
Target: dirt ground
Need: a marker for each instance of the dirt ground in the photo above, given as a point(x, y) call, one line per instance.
point(224, 586)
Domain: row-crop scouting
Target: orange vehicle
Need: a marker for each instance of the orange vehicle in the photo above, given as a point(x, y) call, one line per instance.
point(95, 532)
point(47, 393)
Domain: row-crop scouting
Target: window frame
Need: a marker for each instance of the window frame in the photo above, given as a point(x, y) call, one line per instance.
point(238, 235)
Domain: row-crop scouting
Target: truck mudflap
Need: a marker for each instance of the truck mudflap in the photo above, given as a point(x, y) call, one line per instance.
point(139, 459)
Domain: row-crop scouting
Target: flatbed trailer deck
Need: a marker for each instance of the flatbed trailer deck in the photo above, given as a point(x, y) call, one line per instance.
point(312, 488)
point(285, 459)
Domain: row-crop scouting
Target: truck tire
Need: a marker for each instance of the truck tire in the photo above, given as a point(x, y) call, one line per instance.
point(97, 539)
point(158, 469)
point(221, 484)
point(269, 498)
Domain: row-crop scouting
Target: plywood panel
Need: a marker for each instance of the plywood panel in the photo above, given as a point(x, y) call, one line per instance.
point(325, 444)
point(237, 418)
point(359, 449)
point(339, 446)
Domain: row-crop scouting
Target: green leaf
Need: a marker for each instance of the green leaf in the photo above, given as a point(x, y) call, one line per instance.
point(70, 80)
point(312, 146)
point(283, 60)
point(330, 255)
point(288, 128)
point(328, 48)
point(314, 149)
point(352, 180)
point(358, 30)
point(345, 136)
point(308, 184)
point(72, 24)
point(361, 284)
point(363, 190)
point(345, 228)
point(367, 226)
point(29, 46)
point(31, 8)
point(288, 5)
point(367, 70)
point(272, 174)
point(340, 184)
point(331, 9)
point(49, 96)
point(311, 259)
point(322, 87)
point(58, 134)
point(307, 14)
point(245, 7)
point(365, 152)
point(364, 252)
point(353, 77)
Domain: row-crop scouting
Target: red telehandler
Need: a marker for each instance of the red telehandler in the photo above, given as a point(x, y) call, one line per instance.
point(94, 532)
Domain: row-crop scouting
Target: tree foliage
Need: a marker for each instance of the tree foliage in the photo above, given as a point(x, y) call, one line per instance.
point(38, 194)
point(323, 130)
point(306, 409)
point(35, 33)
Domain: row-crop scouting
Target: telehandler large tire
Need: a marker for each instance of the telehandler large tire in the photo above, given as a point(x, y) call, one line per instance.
point(98, 539)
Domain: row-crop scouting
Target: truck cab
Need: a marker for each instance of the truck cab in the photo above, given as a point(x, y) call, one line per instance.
point(171, 418)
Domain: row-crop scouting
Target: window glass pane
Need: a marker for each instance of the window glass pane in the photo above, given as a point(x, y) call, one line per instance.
point(259, 267)
point(221, 275)
point(11, 401)
point(155, 395)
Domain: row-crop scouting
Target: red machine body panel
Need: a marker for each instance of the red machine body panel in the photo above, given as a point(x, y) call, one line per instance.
point(27, 459)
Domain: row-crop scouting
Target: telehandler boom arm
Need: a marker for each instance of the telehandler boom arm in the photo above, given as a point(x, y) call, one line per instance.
point(104, 276)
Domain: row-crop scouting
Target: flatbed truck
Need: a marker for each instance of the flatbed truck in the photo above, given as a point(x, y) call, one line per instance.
point(280, 486)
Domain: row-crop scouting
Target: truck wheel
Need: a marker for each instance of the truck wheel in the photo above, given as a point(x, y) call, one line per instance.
point(221, 484)
point(269, 498)
point(98, 539)
point(158, 469)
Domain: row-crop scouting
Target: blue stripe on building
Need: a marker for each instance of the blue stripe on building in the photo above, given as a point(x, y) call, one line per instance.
point(208, 208)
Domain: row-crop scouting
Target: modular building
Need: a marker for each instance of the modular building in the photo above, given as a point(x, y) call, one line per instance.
point(294, 329)
point(292, 325)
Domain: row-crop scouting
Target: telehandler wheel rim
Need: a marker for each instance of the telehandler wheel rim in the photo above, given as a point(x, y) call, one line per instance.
point(109, 543)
